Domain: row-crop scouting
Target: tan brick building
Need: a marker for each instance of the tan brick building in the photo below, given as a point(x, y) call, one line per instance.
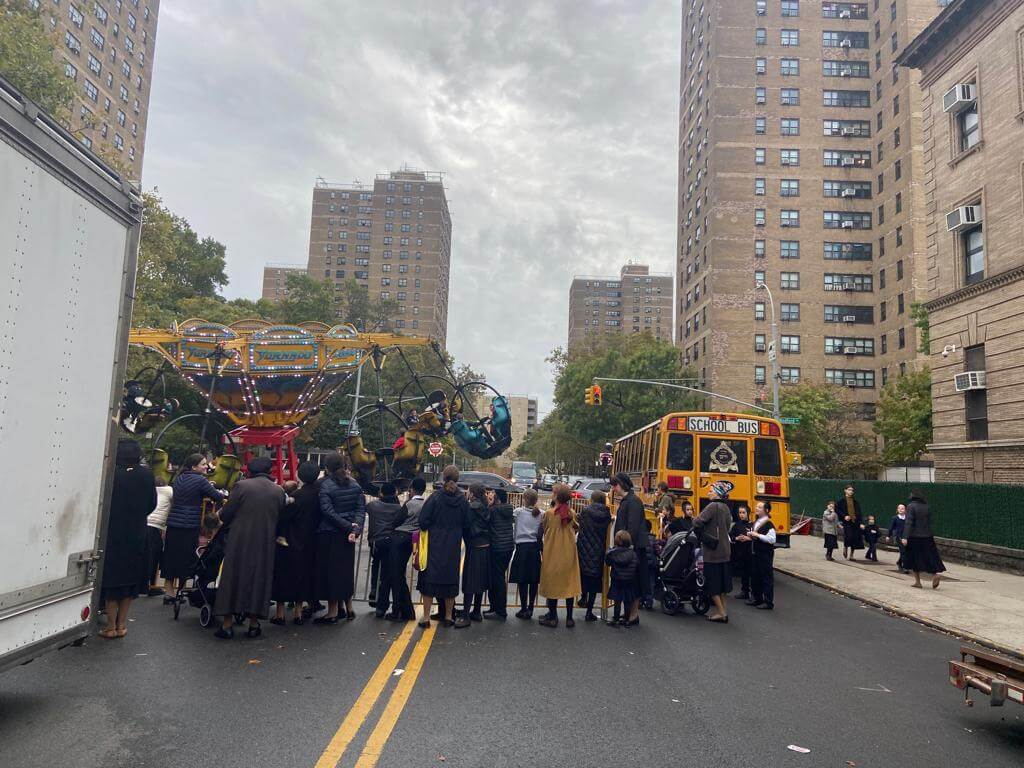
point(275, 279)
point(107, 47)
point(524, 419)
point(393, 237)
point(634, 302)
point(971, 63)
point(799, 146)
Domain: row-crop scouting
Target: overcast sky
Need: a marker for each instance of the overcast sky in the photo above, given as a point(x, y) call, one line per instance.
point(554, 122)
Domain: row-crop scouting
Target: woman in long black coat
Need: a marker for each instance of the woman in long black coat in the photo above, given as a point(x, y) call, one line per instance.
point(848, 509)
point(592, 543)
point(921, 552)
point(132, 498)
point(295, 564)
point(445, 518)
point(248, 571)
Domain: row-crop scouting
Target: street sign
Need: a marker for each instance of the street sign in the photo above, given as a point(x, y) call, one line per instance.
point(435, 449)
point(343, 422)
point(790, 419)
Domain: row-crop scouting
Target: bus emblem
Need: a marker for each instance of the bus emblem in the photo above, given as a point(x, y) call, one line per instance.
point(723, 459)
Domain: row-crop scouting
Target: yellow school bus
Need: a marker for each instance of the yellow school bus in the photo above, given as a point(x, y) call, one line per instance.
point(689, 451)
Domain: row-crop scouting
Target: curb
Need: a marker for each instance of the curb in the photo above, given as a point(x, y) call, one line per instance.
point(930, 623)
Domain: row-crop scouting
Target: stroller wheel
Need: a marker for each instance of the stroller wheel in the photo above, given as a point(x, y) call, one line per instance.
point(177, 609)
point(205, 616)
point(700, 603)
point(670, 602)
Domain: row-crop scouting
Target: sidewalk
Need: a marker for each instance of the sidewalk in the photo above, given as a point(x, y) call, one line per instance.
point(981, 606)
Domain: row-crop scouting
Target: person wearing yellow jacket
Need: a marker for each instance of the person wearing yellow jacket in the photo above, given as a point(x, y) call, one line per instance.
point(560, 564)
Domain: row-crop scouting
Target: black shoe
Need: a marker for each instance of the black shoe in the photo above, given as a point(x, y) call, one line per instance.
point(396, 617)
point(756, 603)
point(224, 634)
point(570, 623)
point(615, 623)
point(548, 621)
point(634, 623)
point(372, 601)
point(277, 622)
point(495, 616)
point(254, 630)
point(169, 599)
point(155, 592)
point(462, 623)
point(436, 616)
point(522, 613)
point(765, 606)
point(476, 616)
point(581, 603)
point(590, 617)
point(743, 596)
point(326, 620)
point(298, 621)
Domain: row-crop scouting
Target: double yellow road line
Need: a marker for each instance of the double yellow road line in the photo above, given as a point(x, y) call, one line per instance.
point(364, 705)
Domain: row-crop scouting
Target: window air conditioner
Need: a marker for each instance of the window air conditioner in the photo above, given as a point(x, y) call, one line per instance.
point(846, 224)
point(849, 350)
point(850, 382)
point(849, 318)
point(958, 97)
point(844, 14)
point(849, 130)
point(847, 161)
point(845, 72)
point(846, 43)
point(963, 217)
point(848, 192)
point(785, 223)
point(848, 285)
point(965, 382)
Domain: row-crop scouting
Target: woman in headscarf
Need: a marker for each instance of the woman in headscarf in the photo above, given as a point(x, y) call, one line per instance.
point(712, 525)
point(476, 566)
point(132, 498)
point(502, 545)
point(560, 564)
point(921, 552)
point(342, 517)
point(247, 574)
point(294, 565)
point(631, 517)
point(184, 520)
point(445, 518)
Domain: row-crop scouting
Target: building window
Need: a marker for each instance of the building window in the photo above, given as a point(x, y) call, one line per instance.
point(789, 249)
point(790, 312)
point(760, 95)
point(760, 36)
point(789, 218)
point(790, 281)
point(902, 338)
point(788, 97)
point(976, 400)
point(91, 91)
point(790, 126)
point(759, 250)
point(758, 186)
point(759, 342)
point(789, 187)
point(760, 65)
point(831, 98)
point(790, 344)
point(759, 155)
point(881, 279)
point(790, 37)
point(789, 375)
point(974, 255)
point(885, 344)
point(899, 269)
point(790, 8)
point(899, 236)
point(758, 277)
point(759, 310)
point(759, 374)
point(760, 125)
point(790, 67)
point(789, 157)
point(759, 217)
point(967, 127)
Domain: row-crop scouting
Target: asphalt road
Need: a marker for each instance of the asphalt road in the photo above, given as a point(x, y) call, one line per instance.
point(847, 682)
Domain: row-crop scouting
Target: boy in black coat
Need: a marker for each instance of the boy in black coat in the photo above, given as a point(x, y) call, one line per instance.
point(871, 535)
point(742, 551)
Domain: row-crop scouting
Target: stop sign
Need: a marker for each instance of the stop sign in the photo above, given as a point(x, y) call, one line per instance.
point(435, 449)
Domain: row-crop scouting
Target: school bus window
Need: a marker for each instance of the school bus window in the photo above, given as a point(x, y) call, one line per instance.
point(680, 452)
point(723, 456)
point(767, 457)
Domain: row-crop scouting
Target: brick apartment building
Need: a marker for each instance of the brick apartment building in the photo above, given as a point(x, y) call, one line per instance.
point(107, 47)
point(634, 302)
point(275, 279)
point(971, 64)
point(393, 237)
point(799, 168)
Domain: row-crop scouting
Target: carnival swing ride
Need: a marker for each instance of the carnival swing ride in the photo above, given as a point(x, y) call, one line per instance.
point(262, 381)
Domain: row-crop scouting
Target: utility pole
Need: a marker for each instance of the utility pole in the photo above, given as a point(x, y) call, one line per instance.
point(773, 351)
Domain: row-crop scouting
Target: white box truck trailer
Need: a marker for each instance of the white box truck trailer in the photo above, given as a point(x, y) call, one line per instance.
point(69, 238)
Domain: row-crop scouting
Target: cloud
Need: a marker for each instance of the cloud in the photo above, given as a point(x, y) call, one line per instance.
point(554, 122)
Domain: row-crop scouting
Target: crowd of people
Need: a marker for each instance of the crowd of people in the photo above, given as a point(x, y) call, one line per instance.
point(294, 546)
point(909, 531)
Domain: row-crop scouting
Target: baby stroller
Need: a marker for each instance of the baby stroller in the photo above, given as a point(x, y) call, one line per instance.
point(681, 575)
point(200, 588)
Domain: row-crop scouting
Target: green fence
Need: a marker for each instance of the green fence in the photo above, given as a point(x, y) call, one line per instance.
point(987, 514)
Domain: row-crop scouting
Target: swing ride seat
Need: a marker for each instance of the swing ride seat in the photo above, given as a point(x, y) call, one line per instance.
point(227, 472)
point(159, 464)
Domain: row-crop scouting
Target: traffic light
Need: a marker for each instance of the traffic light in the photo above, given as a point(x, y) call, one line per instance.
point(588, 396)
point(597, 394)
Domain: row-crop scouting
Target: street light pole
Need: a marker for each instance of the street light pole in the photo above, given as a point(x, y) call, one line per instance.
point(773, 353)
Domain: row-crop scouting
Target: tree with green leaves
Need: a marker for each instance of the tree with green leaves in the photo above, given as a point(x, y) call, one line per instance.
point(919, 314)
point(831, 436)
point(306, 298)
point(27, 59)
point(904, 416)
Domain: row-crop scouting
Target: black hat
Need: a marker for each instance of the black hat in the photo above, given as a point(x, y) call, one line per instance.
point(387, 490)
point(261, 465)
point(622, 480)
point(309, 471)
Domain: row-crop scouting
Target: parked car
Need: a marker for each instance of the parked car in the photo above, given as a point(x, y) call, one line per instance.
point(486, 479)
point(546, 482)
point(584, 489)
point(523, 473)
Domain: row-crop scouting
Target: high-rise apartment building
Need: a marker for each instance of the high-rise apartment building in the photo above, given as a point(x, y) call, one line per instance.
point(393, 237)
point(635, 301)
point(107, 48)
point(275, 279)
point(969, 59)
point(799, 169)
